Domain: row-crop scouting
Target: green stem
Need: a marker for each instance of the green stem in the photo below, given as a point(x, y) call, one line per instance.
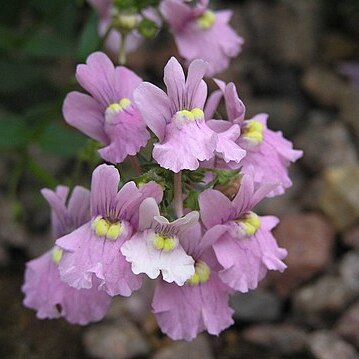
point(122, 51)
point(178, 196)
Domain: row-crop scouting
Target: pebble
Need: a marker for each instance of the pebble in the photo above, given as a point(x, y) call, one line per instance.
point(117, 340)
point(349, 271)
point(319, 303)
point(326, 345)
point(283, 338)
point(340, 196)
point(256, 306)
point(326, 144)
point(348, 324)
point(198, 348)
point(324, 85)
point(309, 239)
point(349, 108)
point(351, 237)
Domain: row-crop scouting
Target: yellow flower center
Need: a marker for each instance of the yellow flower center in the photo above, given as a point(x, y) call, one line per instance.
point(250, 223)
point(253, 131)
point(120, 105)
point(104, 228)
point(206, 20)
point(201, 275)
point(184, 116)
point(57, 254)
point(162, 242)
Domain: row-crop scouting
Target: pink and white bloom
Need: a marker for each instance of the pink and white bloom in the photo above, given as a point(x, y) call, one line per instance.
point(107, 114)
point(267, 151)
point(177, 118)
point(156, 246)
point(92, 254)
point(201, 303)
point(201, 33)
point(44, 290)
point(242, 240)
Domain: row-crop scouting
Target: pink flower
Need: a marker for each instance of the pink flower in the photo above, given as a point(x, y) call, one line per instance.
point(267, 151)
point(104, 10)
point(43, 288)
point(202, 33)
point(201, 303)
point(177, 118)
point(156, 247)
point(242, 241)
point(108, 114)
point(92, 252)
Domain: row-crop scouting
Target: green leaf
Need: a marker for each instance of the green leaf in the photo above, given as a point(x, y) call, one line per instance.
point(89, 40)
point(192, 200)
point(13, 132)
point(48, 45)
point(61, 140)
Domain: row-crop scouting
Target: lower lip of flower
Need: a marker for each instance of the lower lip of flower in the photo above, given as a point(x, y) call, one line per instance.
point(201, 275)
point(104, 228)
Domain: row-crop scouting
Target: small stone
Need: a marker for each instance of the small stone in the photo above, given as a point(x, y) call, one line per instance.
point(349, 108)
point(117, 340)
point(309, 239)
point(340, 196)
point(326, 345)
point(326, 144)
point(283, 338)
point(348, 325)
point(351, 237)
point(309, 198)
point(198, 348)
point(324, 85)
point(322, 301)
point(256, 306)
point(286, 32)
point(349, 270)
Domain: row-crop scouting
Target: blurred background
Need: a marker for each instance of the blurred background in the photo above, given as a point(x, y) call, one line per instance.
point(293, 67)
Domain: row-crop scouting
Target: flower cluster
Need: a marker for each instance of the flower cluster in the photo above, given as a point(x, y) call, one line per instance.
point(109, 239)
point(198, 31)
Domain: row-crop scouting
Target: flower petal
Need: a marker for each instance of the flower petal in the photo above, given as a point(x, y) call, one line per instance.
point(52, 298)
point(84, 113)
point(183, 312)
point(87, 256)
point(154, 106)
point(104, 187)
point(175, 265)
point(184, 147)
point(97, 77)
point(215, 208)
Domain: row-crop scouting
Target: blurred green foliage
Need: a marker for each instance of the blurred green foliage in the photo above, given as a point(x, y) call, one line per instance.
point(41, 41)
